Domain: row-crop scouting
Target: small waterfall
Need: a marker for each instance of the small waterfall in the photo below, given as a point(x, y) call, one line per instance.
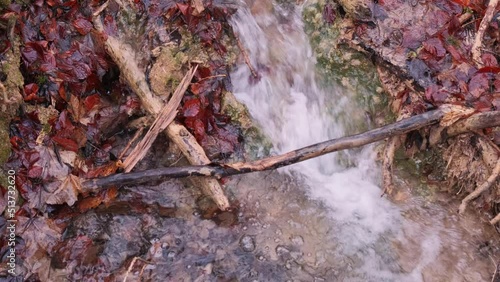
point(294, 111)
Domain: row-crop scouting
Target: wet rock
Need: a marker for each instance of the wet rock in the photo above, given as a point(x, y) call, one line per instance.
point(297, 240)
point(247, 243)
point(282, 251)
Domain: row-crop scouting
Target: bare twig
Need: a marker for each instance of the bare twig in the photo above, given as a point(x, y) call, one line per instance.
point(245, 56)
point(479, 190)
point(476, 47)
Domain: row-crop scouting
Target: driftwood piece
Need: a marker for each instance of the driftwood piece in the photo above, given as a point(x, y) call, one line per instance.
point(123, 55)
point(164, 118)
point(273, 162)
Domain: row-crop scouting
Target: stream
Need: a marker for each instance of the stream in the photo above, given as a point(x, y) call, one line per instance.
point(372, 239)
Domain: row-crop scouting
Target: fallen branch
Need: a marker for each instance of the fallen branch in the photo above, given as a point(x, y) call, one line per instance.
point(478, 41)
point(479, 190)
point(123, 56)
point(221, 170)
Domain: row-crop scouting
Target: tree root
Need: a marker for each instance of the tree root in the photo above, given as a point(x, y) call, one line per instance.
point(485, 22)
point(390, 148)
point(495, 220)
point(479, 190)
point(123, 56)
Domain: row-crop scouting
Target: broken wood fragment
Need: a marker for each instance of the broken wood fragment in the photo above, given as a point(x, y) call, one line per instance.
point(164, 118)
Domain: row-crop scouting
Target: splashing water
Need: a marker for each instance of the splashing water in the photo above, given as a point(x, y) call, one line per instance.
point(294, 111)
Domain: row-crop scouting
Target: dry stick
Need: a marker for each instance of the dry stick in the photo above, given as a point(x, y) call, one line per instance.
point(485, 22)
point(164, 118)
point(479, 190)
point(306, 153)
point(245, 56)
point(495, 220)
point(123, 56)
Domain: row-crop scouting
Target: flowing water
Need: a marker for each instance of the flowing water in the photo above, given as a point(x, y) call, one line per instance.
point(375, 239)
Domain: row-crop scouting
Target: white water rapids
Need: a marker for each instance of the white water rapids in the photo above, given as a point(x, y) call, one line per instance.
point(381, 243)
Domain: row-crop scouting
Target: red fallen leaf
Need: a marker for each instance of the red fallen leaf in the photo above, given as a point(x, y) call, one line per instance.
point(80, 250)
point(83, 26)
point(30, 93)
point(197, 126)
point(489, 60)
point(29, 53)
point(203, 72)
point(455, 53)
point(15, 141)
point(89, 203)
point(433, 93)
point(48, 62)
point(184, 8)
point(35, 171)
point(435, 47)
point(81, 70)
point(489, 70)
point(31, 89)
point(131, 106)
point(104, 170)
point(465, 3)
point(91, 101)
point(482, 105)
point(478, 84)
point(66, 143)
point(191, 108)
point(110, 27)
point(109, 195)
point(496, 102)
point(49, 29)
point(496, 83)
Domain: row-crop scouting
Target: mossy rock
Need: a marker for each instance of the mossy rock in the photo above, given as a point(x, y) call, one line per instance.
point(10, 100)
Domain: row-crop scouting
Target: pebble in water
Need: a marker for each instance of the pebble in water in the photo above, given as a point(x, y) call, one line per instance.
point(247, 243)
